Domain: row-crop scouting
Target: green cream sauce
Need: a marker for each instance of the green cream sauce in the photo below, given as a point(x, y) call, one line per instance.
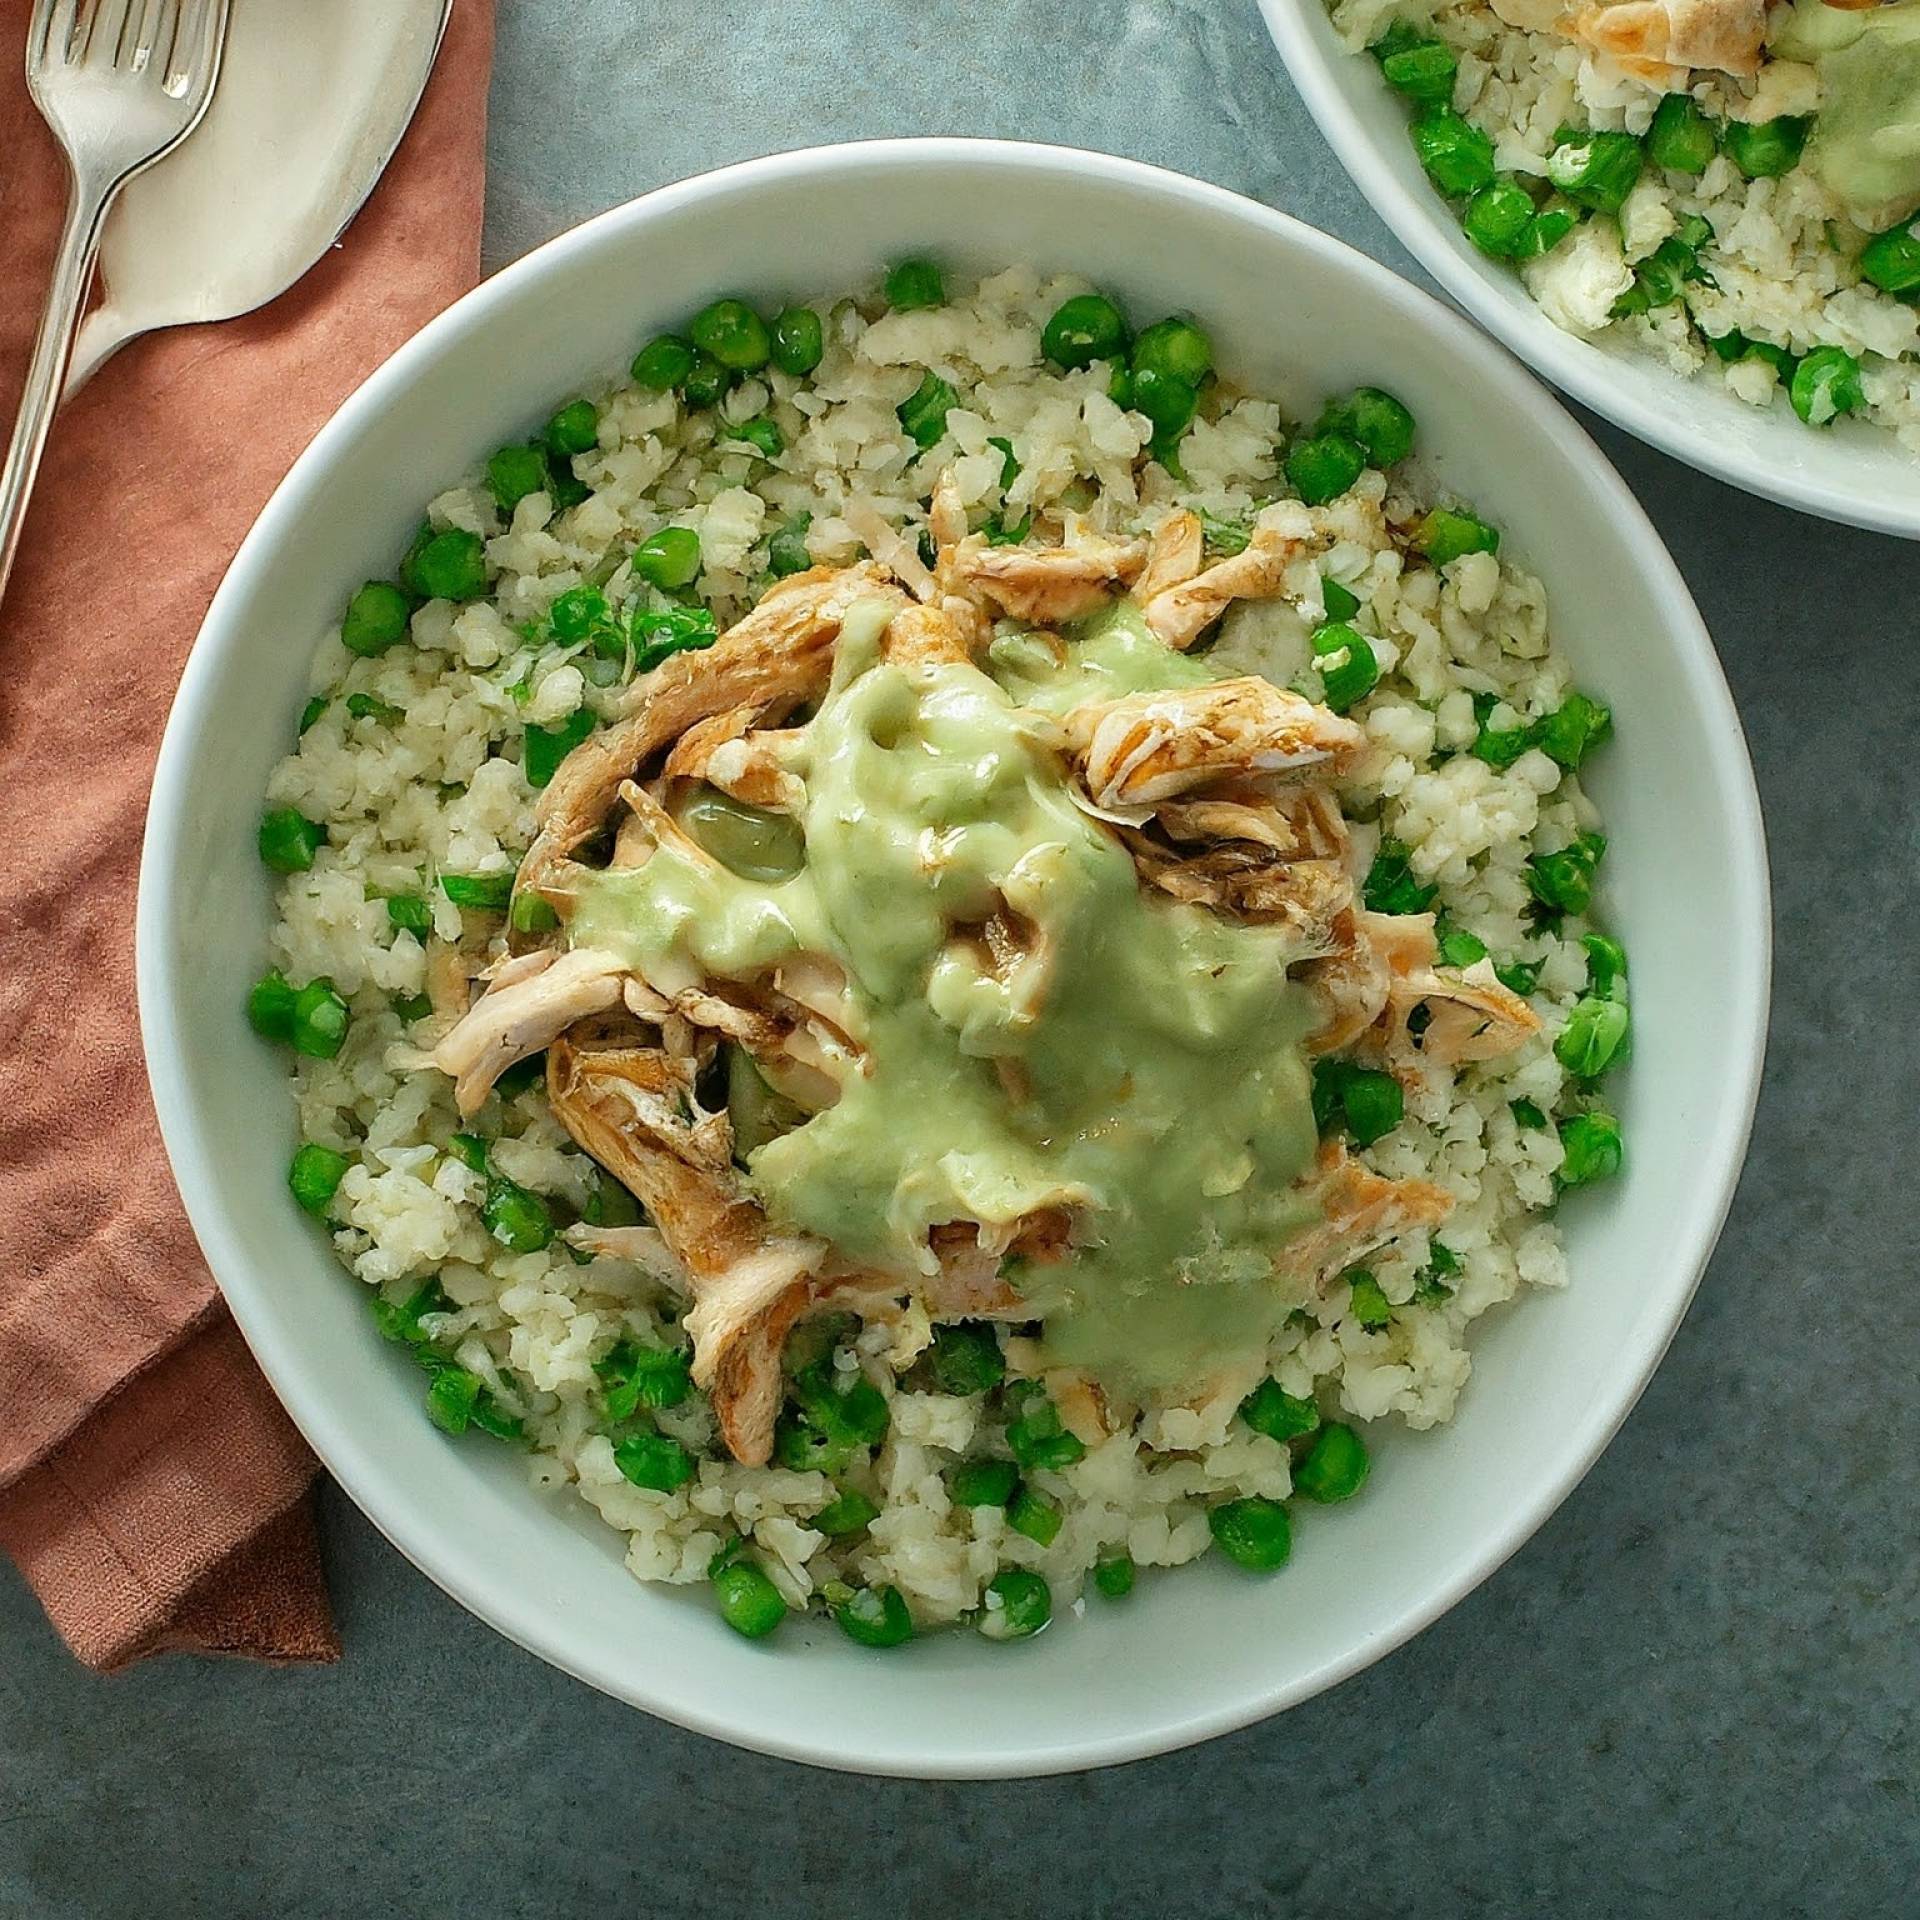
point(1865, 146)
point(1155, 1081)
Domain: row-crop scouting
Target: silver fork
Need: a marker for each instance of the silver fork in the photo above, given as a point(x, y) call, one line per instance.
point(120, 82)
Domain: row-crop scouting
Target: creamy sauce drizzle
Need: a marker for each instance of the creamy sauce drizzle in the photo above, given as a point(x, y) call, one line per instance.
point(1140, 1063)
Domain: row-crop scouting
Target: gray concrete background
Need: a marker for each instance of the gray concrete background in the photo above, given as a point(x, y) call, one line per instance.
point(1692, 1693)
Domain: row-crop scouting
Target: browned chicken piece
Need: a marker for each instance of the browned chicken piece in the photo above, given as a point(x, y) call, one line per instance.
point(1174, 556)
point(1180, 614)
point(528, 1006)
point(1303, 823)
point(1359, 1212)
point(1134, 753)
point(1081, 1404)
point(779, 656)
point(727, 752)
point(1310, 897)
point(1351, 981)
point(1660, 41)
point(449, 984)
point(929, 636)
point(1049, 586)
point(892, 547)
point(632, 1109)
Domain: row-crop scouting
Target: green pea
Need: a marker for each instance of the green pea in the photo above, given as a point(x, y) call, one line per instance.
point(320, 1020)
point(1368, 1304)
point(543, 748)
point(311, 712)
point(515, 472)
point(749, 1602)
point(1562, 881)
point(658, 636)
point(288, 840)
point(1825, 385)
point(875, 1617)
point(1036, 1437)
point(1891, 260)
point(914, 284)
point(1458, 947)
point(1038, 1518)
point(1518, 976)
point(1335, 1467)
point(1324, 468)
point(1764, 150)
point(376, 619)
point(787, 550)
point(408, 913)
point(1606, 964)
point(1545, 231)
point(519, 1220)
point(1681, 138)
point(851, 1511)
point(1444, 534)
point(1168, 401)
point(1591, 1142)
point(479, 892)
point(1253, 1532)
point(577, 614)
point(798, 341)
point(452, 566)
point(1374, 421)
point(663, 362)
point(1598, 170)
point(411, 1007)
point(1591, 1041)
point(1087, 328)
point(270, 1006)
point(632, 1376)
point(923, 414)
point(574, 429)
point(654, 1461)
point(1348, 667)
point(1174, 348)
point(1272, 1410)
point(1572, 728)
point(1423, 72)
point(400, 1320)
point(367, 706)
point(802, 1447)
point(1009, 466)
point(315, 1176)
point(1019, 1604)
point(1390, 886)
point(965, 1358)
point(470, 1150)
point(1457, 156)
point(669, 559)
point(453, 1394)
point(848, 1407)
point(532, 913)
point(734, 335)
point(707, 381)
point(1374, 1103)
point(983, 1483)
point(762, 433)
point(1113, 1575)
point(1497, 219)
point(1527, 1115)
point(1341, 603)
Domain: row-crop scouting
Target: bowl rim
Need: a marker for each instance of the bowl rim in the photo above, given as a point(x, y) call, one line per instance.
point(1575, 366)
point(325, 1424)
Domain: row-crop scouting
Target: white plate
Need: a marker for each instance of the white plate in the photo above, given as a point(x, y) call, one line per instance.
point(1193, 1652)
point(1848, 471)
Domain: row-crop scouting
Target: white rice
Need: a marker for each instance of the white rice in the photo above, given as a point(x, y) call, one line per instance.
point(440, 790)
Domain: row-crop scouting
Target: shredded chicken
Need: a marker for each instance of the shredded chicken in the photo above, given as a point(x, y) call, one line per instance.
point(1135, 752)
point(1176, 554)
point(1050, 586)
point(1661, 41)
point(1359, 1211)
point(523, 1011)
point(1180, 614)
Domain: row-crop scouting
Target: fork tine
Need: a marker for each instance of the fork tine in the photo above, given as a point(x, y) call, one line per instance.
point(147, 36)
point(53, 43)
point(196, 43)
point(100, 37)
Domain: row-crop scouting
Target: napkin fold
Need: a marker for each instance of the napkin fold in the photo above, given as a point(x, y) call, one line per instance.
point(151, 1489)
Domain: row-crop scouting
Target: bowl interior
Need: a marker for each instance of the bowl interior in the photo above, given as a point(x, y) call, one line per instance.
point(1292, 312)
point(1849, 471)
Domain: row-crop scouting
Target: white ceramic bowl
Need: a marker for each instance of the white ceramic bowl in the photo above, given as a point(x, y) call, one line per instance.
point(1849, 471)
point(1207, 1648)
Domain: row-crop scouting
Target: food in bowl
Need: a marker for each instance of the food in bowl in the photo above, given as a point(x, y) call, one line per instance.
point(928, 955)
point(1728, 186)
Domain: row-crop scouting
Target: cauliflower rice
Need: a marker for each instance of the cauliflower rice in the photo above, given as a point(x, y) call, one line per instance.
point(412, 763)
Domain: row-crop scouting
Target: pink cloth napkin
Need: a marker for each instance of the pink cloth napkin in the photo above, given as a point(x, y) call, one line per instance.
point(151, 1489)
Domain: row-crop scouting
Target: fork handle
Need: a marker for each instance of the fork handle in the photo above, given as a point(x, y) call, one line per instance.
point(87, 204)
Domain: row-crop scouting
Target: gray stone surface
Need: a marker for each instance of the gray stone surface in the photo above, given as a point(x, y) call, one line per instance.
point(1692, 1693)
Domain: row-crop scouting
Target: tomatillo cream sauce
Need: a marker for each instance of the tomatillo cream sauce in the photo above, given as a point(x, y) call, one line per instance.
point(1134, 1060)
